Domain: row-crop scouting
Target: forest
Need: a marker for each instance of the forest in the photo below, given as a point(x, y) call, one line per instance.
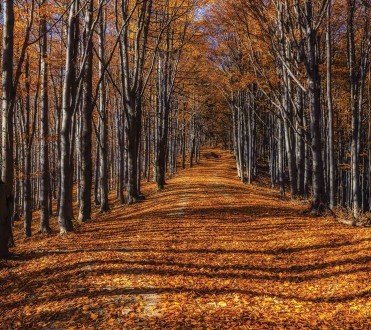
point(185, 164)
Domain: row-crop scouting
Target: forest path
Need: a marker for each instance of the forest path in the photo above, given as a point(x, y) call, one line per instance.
point(206, 253)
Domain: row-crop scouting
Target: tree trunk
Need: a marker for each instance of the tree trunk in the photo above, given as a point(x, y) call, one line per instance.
point(65, 214)
point(44, 127)
point(332, 174)
point(7, 165)
point(132, 133)
point(281, 165)
point(103, 169)
point(27, 189)
point(300, 145)
point(86, 122)
point(319, 202)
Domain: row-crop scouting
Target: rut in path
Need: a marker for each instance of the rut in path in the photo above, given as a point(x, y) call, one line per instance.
point(206, 253)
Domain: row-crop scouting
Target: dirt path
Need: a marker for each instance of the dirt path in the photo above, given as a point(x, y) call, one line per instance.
point(206, 253)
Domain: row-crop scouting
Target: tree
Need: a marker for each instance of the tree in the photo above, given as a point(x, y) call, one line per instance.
point(44, 147)
point(8, 96)
point(86, 119)
point(65, 214)
point(133, 84)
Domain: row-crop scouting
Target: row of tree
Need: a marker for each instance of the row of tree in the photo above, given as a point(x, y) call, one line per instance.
point(97, 96)
point(296, 74)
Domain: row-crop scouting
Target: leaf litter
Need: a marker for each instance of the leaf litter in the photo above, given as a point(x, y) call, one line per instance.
point(206, 253)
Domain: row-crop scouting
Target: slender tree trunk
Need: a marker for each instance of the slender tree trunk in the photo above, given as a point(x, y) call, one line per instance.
point(65, 213)
point(103, 169)
point(300, 145)
point(86, 122)
point(27, 188)
point(132, 132)
point(331, 154)
point(162, 120)
point(44, 148)
point(184, 143)
point(318, 181)
point(7, 165)
point(355, 175)
point(281, 166)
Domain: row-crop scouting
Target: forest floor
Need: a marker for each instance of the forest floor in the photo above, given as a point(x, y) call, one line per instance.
point(207, 253)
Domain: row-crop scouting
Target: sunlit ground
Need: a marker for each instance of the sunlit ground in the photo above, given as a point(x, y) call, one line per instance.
point(207, 253)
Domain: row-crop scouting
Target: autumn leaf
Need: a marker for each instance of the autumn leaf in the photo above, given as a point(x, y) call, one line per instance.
point(222, 304)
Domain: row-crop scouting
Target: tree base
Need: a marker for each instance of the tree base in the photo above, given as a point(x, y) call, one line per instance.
point(104, 208)
point(137, 199)
point(83, 220)
point(320, 209)
point(66, 226)
point(45, 230)
point(5, 255)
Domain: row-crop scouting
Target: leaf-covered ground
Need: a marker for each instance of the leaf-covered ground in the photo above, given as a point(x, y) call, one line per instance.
point(207, 253)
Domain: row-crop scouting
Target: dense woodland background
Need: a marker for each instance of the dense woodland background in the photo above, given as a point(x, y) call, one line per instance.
point(99, 95)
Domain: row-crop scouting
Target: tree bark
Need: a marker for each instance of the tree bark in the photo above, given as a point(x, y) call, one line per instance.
point(7, 165)
point(86, 121)
point(103, 168)
point(65, 214)
point(331, 154)
point(44, 127)
point(319, 202)
point(27, 192)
